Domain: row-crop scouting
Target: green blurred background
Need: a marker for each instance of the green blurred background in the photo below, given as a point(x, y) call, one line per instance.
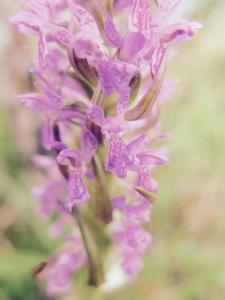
point(187, 258)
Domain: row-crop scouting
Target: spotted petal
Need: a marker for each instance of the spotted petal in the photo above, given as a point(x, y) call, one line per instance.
point(166, 6)
point(141, 18)
point(77, 190)
point(118, 158)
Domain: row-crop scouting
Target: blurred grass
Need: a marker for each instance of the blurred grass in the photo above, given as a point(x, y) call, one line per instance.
point(187, 258)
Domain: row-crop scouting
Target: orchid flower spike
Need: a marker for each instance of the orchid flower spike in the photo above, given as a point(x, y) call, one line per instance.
point(99, 77)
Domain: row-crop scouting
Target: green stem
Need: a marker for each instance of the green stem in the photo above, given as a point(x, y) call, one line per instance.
point(105, 205)
point(96, 276)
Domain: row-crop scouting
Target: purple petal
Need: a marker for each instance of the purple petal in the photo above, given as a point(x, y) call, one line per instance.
point(134, 237)
point(69, 157)
point(39, 7)
point(37, 102)
point(74, 90)
point(59, 274)
point(131, 264)
point(96, 115)
point(49, 195)
point(86, 48)
point(139, 211)
point(118, 159)
point(149, 158)
point(141, 19)
point(68, 114)
point(121, 5)
point(133, 44)
point(115, 75)
point(146, 181)
point(88, 144)
point(77, 191)
point(166, 6)
point(85, 23)
point(47, 135)
point(179, 32)
point(157, 58)
point(43, 49)
point(27, 23)
point(112, 35)
point(61, 34)
point(137, 144)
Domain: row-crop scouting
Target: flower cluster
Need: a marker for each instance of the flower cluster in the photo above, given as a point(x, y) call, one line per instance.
point(100, 80)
